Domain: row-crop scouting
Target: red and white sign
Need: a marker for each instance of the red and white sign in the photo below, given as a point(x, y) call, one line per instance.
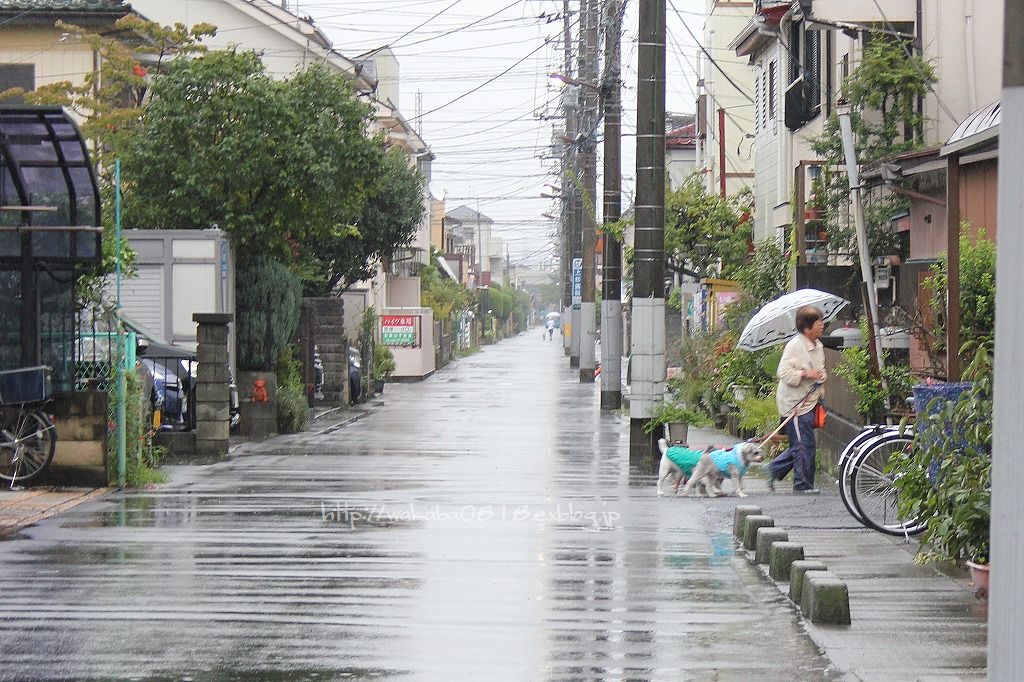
point(399, 330)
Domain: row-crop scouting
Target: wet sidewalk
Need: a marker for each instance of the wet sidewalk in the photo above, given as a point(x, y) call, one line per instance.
point(483, 524)
point(909, 621)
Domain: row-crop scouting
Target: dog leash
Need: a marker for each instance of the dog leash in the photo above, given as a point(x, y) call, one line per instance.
point(789, 418)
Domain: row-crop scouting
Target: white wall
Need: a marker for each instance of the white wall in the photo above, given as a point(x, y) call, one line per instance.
point(248, 27)
point(724, 23)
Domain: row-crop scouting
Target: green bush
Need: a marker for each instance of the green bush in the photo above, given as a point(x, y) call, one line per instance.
point(268, 300)
point(946, 477)
point(141, 456)
point(292, 409)
point(383, 361)
point(856, 369)
point(292, 404)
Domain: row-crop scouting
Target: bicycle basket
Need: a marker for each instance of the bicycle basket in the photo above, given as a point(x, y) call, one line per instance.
point(25, 385)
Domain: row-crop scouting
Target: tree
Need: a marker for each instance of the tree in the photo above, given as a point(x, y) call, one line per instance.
point(277, 164)
point(883, 92)
point(387, 222)
point(705, 234)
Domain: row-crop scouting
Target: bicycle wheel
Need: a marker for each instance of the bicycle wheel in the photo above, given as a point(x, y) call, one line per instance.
point(850, 453)
point(873, 491)
point(26, 446)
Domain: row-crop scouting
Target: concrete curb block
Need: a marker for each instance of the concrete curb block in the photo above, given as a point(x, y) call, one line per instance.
point(780, 559)
point(825, 599)
point(750, 526)
point(796, 577)
point(740, 516)
point(766, 537)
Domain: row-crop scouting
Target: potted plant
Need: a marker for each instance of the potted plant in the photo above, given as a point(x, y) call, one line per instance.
point(383, 365)
point(677, 417)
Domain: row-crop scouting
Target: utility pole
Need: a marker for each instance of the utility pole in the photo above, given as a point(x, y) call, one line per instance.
point(588, 151)
point(1006, 612)
point(648, 314)
point(568, 189)
point(611, 281)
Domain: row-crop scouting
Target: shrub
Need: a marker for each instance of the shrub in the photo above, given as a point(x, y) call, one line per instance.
point(292, 409)
point(268, 299)
point(947, 474)
point(383, 361)
point(292, 404)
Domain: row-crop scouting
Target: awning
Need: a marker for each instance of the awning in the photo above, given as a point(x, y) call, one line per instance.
point(980, 127)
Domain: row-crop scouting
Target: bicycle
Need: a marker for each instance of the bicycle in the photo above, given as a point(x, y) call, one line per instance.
point(867, 481)
point(28, 436)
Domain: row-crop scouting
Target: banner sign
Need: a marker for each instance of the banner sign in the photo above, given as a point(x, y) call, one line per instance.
point(399, 330)
point(577, 280)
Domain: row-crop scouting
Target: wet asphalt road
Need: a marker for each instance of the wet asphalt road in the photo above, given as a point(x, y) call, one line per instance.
point(484, 524)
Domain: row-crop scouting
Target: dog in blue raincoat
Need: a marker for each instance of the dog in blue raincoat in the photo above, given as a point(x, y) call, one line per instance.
point(717, 465)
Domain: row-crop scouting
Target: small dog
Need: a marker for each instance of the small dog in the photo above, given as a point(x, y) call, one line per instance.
point(717, 465)
point(677, 462)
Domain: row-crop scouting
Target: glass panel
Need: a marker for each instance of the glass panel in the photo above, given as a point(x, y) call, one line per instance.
point(87, 244)
point(46, 187)
point(8, 197)
point(10, 320)
point(72, 151)
point(57, 326)
point(51, 244)
point(10, 245)
point(85, 198)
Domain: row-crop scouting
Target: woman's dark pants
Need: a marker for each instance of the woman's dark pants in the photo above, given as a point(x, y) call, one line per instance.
point(800, 455)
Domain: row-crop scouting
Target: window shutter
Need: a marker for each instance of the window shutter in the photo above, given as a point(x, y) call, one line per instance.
point(812, 69)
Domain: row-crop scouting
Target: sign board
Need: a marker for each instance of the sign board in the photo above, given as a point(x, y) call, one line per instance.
point(577, 280)
point(400, 330)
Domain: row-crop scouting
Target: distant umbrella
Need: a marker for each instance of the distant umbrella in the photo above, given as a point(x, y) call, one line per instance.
point(552, 316)
point(776, 321)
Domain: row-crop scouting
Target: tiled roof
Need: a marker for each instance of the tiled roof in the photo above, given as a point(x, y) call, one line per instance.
point(65, 5)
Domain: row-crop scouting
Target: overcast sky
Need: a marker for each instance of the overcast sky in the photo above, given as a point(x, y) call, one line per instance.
point(489, 143)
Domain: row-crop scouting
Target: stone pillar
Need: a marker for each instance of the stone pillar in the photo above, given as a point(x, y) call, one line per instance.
point(322, 324)
point(213, 401)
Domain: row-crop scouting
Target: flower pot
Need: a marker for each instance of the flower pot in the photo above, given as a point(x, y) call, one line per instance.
point(378, 385)
point(979, 574)
point(741, 392)
point(677, 432)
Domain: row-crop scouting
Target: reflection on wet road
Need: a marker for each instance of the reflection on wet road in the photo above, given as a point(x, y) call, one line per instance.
point(483, 525)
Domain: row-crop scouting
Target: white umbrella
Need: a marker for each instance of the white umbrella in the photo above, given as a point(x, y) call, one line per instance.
point(552, 315)
point(776, 321)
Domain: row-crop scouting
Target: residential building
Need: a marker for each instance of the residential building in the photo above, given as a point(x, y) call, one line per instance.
point(470, 234)
point(725, 103)
point(800, 52)
point(34, 52)
point(680, 154)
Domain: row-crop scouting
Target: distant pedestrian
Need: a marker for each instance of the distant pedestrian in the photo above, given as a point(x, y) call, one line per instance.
point(801, 373)
point(551, 329)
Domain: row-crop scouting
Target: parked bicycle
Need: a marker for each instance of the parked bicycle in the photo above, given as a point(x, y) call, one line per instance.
point(28, 437)
point(867, 480)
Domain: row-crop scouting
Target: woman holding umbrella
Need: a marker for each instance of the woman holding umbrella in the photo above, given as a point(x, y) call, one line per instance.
point(801, 373)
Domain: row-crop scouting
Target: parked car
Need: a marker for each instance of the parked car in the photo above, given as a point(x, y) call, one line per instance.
point(170, 373)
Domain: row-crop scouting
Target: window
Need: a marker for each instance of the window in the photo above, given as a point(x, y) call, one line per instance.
point(803, 94)
point(772, 89)
point(17, 76)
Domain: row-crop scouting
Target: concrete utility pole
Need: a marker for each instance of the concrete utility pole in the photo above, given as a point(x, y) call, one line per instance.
point(576, 185)
point(569, 109)
point(853, 172)
point(1006, 611)
point(611, 281)
point(648, 315)
point(588, 151)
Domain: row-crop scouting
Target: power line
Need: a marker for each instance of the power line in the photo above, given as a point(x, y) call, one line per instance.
point(708, 54)
point(485, 83)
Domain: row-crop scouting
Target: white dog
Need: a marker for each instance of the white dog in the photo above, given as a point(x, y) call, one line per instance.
point(677, 463)
point(717, 465)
